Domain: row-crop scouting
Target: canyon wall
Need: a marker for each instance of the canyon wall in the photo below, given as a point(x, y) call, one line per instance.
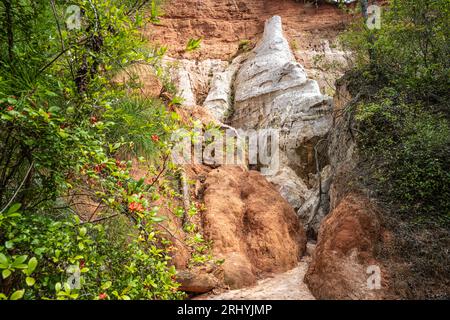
point(257, 223)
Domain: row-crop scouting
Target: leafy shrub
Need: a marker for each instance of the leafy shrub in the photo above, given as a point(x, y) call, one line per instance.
point(401, 79)
point(408, 148)
point(45, 258)
point(138, 119)
point(64, 129)
point(410, 51)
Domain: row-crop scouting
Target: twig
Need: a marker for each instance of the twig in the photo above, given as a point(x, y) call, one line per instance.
point(20, 187)
point(60, 35)
point(162, 170)
point(95, 211)
point(136, 7)
point(185, 191)
point(173, 236)
point(101, 219)
point(58, 56)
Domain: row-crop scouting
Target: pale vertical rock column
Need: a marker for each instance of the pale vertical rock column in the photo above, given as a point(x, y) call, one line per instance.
point(272, 90)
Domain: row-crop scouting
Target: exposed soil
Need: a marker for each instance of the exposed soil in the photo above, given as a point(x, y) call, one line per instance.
point(222, 24)
point(346, 250)
point(251, 226)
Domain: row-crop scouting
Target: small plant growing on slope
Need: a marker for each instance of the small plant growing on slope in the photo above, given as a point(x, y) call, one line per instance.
point(193, 44)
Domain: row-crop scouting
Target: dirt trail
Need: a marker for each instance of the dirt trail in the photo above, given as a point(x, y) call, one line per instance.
point(284, 286)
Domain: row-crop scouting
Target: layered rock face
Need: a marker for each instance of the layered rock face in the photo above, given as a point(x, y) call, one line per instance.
point(272, 90)
point(219, 100)
point(252, 227)
point(223, 23)
point(192, 78)
point(268, 89)
point(351, 236)
point(344, 264)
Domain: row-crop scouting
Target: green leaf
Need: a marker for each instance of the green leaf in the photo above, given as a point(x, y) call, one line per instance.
point(6, 117)
point(20, 260)
point(6, 273)
point(63, 134)
point(193, 44)
point(106, 285)
point(14, 208)
point(54, 109)
point(9, 244)
point(17, 295)
point(83, 231)
point(32, 265)
point(39, 251)
point(67, 287)
point(140, 183)
point(13, 215)
point(58, 287)
point(158, 219)
point(12, 101)
point(3, 259)
point(30, 281)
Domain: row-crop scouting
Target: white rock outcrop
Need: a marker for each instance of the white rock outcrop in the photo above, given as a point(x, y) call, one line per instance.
point(192, 78)
point(268, 89)
point(272, 90)
point(219, 100)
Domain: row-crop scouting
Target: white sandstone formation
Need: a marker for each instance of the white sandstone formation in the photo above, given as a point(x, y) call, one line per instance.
point(272, 90)
point(267, 88)
point(219, 100)
point(192, 78)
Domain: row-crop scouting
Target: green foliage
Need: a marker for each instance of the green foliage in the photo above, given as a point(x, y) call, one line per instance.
point(402, 78)
point(399, 117)
point(155, 12)
point(52, 100)
point(408, 148)
point(145, 122)
point(200, 248)
point(410, 51)
point(193, 44)
point(71, 260)
point(245, 46)
point(64, 130)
